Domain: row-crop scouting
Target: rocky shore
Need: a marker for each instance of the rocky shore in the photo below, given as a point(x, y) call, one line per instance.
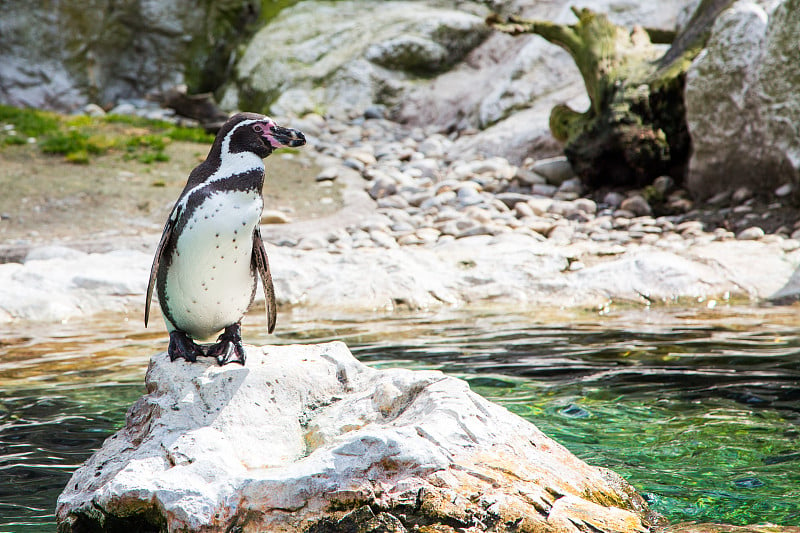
point(424, 226)
point(467, 202)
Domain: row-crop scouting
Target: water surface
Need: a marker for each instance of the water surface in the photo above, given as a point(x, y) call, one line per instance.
point(698, 408)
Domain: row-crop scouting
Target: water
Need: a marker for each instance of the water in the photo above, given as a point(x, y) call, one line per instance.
point(698, 408)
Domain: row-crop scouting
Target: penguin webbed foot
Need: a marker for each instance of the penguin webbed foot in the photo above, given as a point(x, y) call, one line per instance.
point(228, 348)
point(181, 346)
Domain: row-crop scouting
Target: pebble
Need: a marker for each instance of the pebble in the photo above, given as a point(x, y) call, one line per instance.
point(637, 205)
point(613, 199)
point(328, 174)
point(273, 216)
point(663, 185)
point(556, 170)
point(741, 194)
point(750, 234)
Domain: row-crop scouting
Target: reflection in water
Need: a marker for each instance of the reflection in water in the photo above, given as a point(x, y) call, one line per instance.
point(699, 409)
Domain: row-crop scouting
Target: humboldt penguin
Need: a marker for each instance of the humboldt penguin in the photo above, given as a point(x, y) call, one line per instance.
point(210, 254)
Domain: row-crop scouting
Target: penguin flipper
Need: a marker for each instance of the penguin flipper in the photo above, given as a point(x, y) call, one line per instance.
point(165, 237)
point(261, 263)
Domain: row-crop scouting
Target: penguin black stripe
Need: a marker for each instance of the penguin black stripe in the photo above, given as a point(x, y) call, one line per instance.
point(211, 254)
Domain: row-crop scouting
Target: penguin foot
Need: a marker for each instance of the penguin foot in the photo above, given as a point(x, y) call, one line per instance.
point(228, 348)
point(181, 346)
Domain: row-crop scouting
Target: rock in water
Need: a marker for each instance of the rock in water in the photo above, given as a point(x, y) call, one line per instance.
point(306, 438)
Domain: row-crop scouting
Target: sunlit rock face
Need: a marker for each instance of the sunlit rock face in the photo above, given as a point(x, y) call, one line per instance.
point(506, 87)
point(62, 55)
point(342, 57)
point(306, 438)
point(741, 101)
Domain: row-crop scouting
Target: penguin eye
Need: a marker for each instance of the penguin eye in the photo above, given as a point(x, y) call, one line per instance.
point(259, 128)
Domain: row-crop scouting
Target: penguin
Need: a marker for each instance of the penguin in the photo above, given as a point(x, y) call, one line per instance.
point(210, 253)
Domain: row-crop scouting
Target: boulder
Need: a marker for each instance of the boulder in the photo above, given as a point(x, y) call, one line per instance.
point(346, 57)
point(63, 55)
point(745, 82)
point(306, 438)
point(507, 86)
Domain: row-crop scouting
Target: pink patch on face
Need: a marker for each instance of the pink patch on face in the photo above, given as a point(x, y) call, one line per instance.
point(265, 132)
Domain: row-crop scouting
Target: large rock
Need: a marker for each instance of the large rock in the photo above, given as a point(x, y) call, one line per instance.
point(507, 86)
point(61, 55)
point(303, 435)
point(343, 57)
point(507, 269)
point(742, 105)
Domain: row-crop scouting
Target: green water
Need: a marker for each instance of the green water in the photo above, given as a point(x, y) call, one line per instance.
point(699, 409)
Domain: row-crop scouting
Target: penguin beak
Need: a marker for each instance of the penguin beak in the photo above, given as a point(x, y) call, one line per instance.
point(279, 137)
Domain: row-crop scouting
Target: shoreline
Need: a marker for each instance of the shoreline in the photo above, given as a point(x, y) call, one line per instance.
point(423, 228)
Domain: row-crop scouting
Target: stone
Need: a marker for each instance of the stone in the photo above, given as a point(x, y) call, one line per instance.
point(328, 174)
point(274, 216)
point(511, 199)
point(528, 177)
point(784, 190)
point(302, 434)
point(105, 51)
point(408, 52)
point(540, 206)
point(556, 170)
point(543, 189)
point(743, 79)
point(382, 186)
point(523, 209)
point(663, 185)
point(750, 234)
point(637, 205)
point(585, 205)
point(571, 185)
point(383, 239)
point(613, 199)
point(435, 145)
point(347, 57)
point(93, 110)
point(740, 195)
point(428, 235)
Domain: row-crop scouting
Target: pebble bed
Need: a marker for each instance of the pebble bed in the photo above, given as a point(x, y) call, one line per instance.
point(427, 193)
point(426, 196)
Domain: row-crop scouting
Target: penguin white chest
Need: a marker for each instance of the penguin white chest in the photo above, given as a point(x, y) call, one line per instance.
point(210, 281)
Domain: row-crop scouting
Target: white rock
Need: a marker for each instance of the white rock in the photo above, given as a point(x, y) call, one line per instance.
point(742, 79)
point(383, 239)
point(328, 173)
point(556, 170)
point(300, 431)
point(750, 234)
point(42, 253)
point(361, 49)
point(784, 190)
point(274, 216)
point(585, 205)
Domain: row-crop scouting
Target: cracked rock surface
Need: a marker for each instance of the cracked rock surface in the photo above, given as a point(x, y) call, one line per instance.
point(306, 438)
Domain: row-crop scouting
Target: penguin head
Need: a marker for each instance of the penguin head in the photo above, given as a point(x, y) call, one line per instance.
point(250, 132)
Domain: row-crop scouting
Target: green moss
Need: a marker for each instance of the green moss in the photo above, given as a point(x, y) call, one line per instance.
point(12, 139)
point(29, 122)
point(79, 137)
point(64, 142)
point(80, 157)
point(197, 135)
